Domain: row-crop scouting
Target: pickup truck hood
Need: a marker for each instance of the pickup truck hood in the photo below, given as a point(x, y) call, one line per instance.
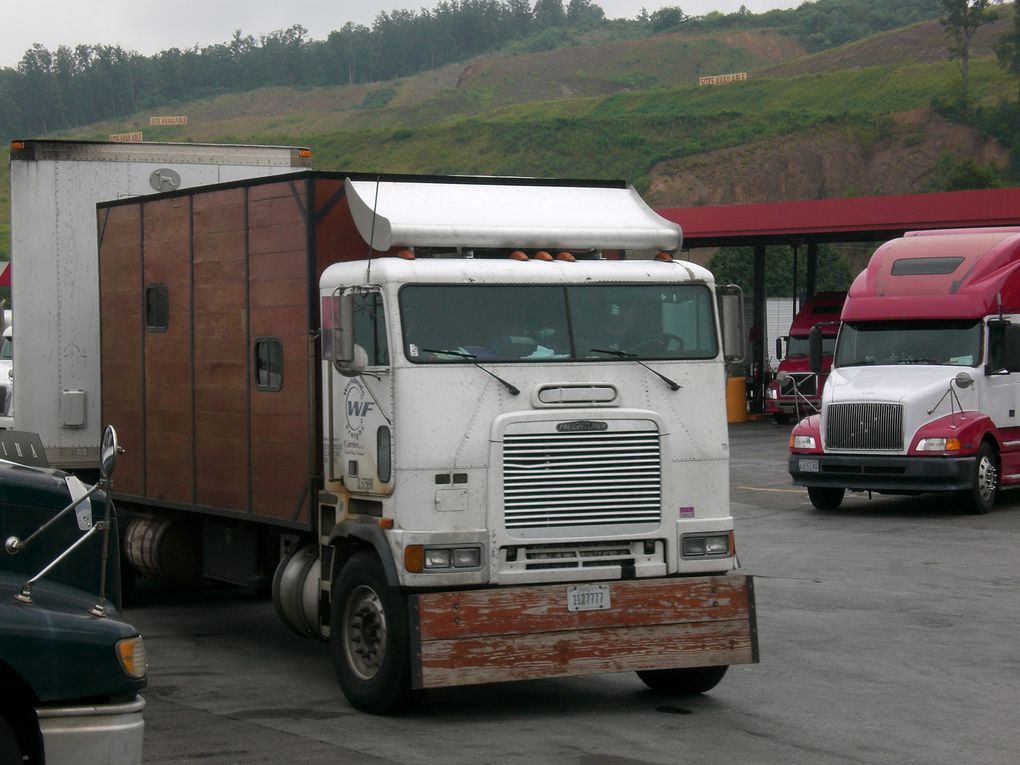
point(61, 651)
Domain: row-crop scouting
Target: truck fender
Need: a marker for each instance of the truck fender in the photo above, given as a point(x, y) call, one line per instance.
point(348, 536)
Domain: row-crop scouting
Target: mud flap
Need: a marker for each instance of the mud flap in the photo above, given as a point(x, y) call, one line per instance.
point(522, 633)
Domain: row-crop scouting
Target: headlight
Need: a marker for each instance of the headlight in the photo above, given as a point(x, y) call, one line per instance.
point(772, 393)
point(437, 557)
point(131, 655)
point(706, 545)
point(938, 445)
point(419, 559)
point(802, 442)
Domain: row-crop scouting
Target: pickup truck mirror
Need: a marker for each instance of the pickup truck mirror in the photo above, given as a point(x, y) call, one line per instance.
point(815, 349)
point(108, 452)
point(779, 348)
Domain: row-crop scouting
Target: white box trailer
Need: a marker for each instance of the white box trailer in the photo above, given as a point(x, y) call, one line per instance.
point(55, 186)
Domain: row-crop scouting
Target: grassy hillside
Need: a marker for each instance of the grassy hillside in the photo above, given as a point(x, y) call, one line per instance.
point(621, 109)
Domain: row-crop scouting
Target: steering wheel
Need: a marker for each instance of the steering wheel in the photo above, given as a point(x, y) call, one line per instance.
point(660, 341)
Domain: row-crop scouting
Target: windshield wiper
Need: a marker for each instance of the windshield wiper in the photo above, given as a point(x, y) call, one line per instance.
point(514, 390)
point(633, 357)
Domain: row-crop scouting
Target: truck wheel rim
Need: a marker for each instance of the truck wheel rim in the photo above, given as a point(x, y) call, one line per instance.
point(364, 632)
point(986, 479)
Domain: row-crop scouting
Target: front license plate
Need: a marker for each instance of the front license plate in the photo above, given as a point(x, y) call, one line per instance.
point(588, 597)
point(809, 466)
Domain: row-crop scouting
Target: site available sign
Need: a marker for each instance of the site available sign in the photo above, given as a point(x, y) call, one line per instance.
point(135, 137)
point(179, 119)
point(722, 79)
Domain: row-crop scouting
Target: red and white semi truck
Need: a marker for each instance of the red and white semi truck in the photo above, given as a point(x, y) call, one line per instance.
point(471, 448)
point(923, 391)
point(796, 389)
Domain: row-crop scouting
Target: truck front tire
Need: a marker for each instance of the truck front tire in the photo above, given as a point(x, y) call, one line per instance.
point(683, 682)
point(369, 638)
point(11, 752)
point(825, 497)
point(982, 494)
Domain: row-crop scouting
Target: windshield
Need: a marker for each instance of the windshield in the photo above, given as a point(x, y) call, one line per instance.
point(952, 343)
point(798, 346)
point(463, 323)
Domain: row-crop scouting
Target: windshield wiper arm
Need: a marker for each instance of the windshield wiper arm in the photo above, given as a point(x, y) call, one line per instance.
point(514, 390)
point(633, 357)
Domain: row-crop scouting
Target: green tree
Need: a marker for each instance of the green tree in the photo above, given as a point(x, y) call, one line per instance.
point(961, 19)
point(549, 13)
point(1007, 51)
point(735, 265)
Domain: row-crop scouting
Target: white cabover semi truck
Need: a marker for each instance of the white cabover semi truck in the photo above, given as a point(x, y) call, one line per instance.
point(474, 447)
point(55, 186)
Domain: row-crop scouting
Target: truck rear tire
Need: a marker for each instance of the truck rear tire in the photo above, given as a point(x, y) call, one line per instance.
point(982, 494)
point(683, 682)
point(825, 497)
point(369, 638)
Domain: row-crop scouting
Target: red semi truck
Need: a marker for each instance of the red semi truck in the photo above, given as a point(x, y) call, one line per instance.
point(922, 394)
point(796, 390)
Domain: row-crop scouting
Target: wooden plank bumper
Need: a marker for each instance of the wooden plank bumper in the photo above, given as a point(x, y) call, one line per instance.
point(521, 633)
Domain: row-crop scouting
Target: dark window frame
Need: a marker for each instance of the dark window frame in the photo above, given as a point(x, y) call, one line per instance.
point(157, 307)
point(263, 375)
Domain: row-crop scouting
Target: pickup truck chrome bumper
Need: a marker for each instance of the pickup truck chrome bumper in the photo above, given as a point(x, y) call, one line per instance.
point(108, 734)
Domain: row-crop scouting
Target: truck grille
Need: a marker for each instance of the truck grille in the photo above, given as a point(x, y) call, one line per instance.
point(574, 479)
point(806, 383)
point(864, 426)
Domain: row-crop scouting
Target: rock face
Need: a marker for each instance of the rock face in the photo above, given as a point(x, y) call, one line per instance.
point(898, 158)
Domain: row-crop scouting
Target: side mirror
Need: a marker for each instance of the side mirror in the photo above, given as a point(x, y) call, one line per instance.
point(779, 348)
point(815, 349)
point(108, 452)
point(731, 316)
point(357, 364)
point(1003, 347)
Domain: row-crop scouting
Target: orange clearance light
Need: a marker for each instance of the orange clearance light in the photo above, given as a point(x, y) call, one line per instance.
point(952, 444)
point(386, 523)
point(565, 256)
point(414, 558)
point(17, 145)
point(304, 153)
point(543, 255)
point(406, 254)
point(664, 256)
point(518, 255)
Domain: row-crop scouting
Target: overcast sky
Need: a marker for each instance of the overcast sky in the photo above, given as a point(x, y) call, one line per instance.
point(149, 26)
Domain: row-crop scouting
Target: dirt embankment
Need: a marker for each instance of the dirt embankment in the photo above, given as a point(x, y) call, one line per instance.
point(821, 164)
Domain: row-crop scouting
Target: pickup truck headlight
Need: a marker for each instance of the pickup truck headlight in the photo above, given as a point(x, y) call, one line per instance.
point(131, 655)
point(802, 442)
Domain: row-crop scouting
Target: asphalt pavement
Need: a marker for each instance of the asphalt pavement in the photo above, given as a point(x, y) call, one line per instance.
point(888, 633)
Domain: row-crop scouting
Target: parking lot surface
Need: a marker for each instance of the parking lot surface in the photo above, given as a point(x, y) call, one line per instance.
point(888, 633)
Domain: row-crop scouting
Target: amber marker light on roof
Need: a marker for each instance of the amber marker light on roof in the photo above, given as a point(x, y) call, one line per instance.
point(17, 145)
point(518, 255)
point(406, 254)
point(565, 256)
point(543, 255)
point(304, 153)
point(664, 256)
